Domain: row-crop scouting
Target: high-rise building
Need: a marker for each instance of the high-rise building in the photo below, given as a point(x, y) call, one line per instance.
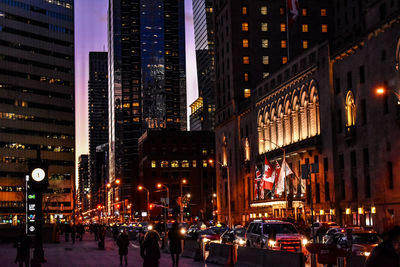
point(98, 113)
point(84, 196)
point(37, 103)
point(203, 109)
point(147, 84)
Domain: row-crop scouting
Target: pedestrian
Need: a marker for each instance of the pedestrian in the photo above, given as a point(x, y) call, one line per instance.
point(80, 230)
point(23, 250)
point(386, 253)
point(123, 244)
point(115, 231)
point(96, 232)
point(73, 233)
point(67, 231)
point(175, 243)
point(101, 235)
point(150, 250)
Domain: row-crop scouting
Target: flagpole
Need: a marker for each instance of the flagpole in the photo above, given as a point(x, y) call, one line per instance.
point(287, 30)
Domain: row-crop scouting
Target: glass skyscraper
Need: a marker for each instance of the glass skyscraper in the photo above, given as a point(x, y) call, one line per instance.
point(147, 83)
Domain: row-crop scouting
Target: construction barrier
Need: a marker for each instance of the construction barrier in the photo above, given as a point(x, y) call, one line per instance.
point(191, 249)
point(221, 254)
point(247, 257)
point(356, 261)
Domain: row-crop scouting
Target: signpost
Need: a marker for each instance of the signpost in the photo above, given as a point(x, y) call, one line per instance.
point(36, 183)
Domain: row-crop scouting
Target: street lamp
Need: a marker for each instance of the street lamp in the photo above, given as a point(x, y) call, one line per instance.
point(140, 188)
point(159, 185)
point(381, 90)
point(229, 190)
point(184, 181)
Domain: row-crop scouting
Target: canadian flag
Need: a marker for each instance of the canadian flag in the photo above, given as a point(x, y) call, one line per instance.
point(293, 8)
point(268, 177)
point(256, 186)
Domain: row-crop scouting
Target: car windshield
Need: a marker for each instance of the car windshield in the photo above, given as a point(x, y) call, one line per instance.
point(207, 232)
point(367, 238)
point(240, 232)
point(283, 228)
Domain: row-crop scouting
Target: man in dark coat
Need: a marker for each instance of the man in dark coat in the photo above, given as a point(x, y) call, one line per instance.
point(23, 247)
point(175, 243)
point(388, 252)
point(123, 244)
point(115, 232)
point(150, 250)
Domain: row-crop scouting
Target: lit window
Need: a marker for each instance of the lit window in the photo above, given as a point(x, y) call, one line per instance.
point(246, 60)
point(304, 27)
point(265, 60)
point(324, 28)
point(264, 43)
point(304, 12)
point(284, 60)
point(305, 44)
point(153, 164)
point(283, 44)
point(204, 163)
point(264, 10)
point(245, 43)
point(264, 26)
point(350, 109)
point(247, 93)
point(174, 164)
point(265, 75)
point(246, 77)
point(194, 164)
point(283, 27)
point(164, 164)
point(185, 164)
point(204, 152)
point(282, 11)
point(244, 10)
point(245, 26)
point(323, 12)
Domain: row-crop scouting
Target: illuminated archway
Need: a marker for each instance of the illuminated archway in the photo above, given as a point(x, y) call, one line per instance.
point(350, 109)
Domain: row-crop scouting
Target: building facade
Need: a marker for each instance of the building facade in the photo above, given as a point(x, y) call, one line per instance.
point(147, 83)
point(203, 109)
point(180, 160)
point(84, 197)
point(98, 113)
point(37, 103)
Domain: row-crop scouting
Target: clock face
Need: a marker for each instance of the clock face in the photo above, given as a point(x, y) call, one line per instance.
point(38, 174)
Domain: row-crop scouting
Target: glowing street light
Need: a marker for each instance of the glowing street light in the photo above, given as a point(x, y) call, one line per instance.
point(381, 90)
point(140, 188)
point(188, 195)
point(108, 185)
point(118, 181)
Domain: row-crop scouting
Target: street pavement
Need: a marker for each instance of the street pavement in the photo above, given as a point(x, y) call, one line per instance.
point(86, 253)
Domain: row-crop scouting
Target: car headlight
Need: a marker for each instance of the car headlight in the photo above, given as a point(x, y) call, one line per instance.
point(183, 231)
point(366, 253)
point(242, 242)
point(304, 241)
point(150, 227)
point(271, 243)
point(205, 240)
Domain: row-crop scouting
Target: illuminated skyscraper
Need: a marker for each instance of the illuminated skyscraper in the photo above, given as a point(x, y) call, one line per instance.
point(147, 84)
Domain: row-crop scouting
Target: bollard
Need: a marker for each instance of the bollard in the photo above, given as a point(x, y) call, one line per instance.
point(341, 262)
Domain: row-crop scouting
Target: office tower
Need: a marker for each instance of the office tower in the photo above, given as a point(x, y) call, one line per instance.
point(203, 108)
point(84, 195)
point(37, 103)
point(146, 79)
point(98, 113)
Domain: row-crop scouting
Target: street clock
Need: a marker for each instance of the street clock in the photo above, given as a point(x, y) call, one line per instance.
point(38, 174)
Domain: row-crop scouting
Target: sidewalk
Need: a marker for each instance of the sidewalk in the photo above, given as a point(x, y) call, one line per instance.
point(86, 253)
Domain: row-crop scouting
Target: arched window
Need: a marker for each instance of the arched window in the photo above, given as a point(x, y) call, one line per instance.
point(350, 110)
point(260, 135)
point(246, 150)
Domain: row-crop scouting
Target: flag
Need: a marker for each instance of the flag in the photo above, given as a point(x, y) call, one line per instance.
point(256, 186)
point(293, 9)
point(268, 177)
point(285, 171)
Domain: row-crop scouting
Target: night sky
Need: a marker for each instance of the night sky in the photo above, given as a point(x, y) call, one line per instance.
point(91, 35)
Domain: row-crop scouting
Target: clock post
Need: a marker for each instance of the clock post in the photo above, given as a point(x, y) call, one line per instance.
point(36, 185)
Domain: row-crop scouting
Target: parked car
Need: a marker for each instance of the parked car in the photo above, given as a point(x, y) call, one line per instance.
point(235, 236)
point(331, 232)
point(362, 242)
point(277, 235)
point(319, 228)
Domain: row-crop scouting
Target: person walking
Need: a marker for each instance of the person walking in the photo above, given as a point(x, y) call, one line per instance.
point(150, 250)
point(386, 253)
point(115, 231)
point(73, 233)
point(175, 243)
point(123, 244)
point(81, 231)
point(96, 232)
point(102, 235)
point(67, 231)
point(23, 248)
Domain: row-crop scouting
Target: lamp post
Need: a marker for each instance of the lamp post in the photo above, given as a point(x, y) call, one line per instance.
point(381, 90)
point(140, 188)
point(184, 181)
point(167, 205)
point(229, 190)
point(214, 205)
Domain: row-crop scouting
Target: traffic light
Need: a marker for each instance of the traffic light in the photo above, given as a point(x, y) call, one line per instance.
point(118, 206)
point(151, 206)
point(99, 206)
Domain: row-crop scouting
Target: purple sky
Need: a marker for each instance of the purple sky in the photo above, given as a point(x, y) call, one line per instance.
point(91, 35)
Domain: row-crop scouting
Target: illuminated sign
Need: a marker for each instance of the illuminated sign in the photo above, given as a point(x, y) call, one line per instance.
point(32, 196)
point(32, 206)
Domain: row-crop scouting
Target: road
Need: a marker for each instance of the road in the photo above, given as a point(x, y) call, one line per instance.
point(86, 253)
